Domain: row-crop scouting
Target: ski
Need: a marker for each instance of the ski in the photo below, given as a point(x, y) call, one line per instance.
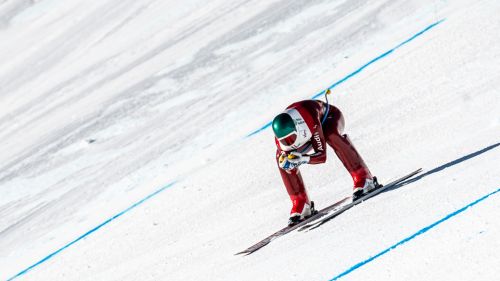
point(321, 213)
point(325, 214)
point(316, 224)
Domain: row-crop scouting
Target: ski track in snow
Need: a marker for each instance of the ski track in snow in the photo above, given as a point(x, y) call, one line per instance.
point(163, 188)
point(101, 104)
point(413, 236)
point(357, 71)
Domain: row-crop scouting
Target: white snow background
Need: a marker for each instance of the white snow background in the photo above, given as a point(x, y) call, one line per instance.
point(125, 155)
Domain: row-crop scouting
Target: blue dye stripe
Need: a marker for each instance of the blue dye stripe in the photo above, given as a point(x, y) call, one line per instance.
point(420, 232)
point(359, 70)
point(90, 232)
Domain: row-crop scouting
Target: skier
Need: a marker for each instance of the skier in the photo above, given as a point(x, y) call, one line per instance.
point(301, 133)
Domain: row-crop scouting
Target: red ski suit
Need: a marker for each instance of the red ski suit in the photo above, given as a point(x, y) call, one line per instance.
point(331, 132)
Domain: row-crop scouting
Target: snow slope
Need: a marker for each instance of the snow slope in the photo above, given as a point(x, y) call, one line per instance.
point(125, 151)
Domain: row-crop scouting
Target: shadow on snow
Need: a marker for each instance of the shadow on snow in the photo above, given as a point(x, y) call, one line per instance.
point(444, 166)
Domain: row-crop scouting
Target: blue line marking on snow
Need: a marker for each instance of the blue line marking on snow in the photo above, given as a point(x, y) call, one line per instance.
point(359, 69)
point(420, 232)
point(91, 231)
point(253, 133)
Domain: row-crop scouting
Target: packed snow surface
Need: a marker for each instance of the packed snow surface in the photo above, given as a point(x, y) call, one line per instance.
point(126, 155)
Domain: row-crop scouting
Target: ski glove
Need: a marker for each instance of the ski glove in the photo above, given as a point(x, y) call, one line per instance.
point(292, 160)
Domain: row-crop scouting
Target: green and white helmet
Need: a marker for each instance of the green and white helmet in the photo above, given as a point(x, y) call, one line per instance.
point(291, 130)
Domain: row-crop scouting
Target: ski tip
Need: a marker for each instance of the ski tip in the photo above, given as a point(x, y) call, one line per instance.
point(249, 250)
point(244, 253)
point(416, 172)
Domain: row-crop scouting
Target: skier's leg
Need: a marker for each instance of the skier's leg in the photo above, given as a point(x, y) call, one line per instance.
point(296, 189)
point(333, 130)
point(302, 207)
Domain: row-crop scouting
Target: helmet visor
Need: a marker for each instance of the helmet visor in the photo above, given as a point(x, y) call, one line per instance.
point(289, 139)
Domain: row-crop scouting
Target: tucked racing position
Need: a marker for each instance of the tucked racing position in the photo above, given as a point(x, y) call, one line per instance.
point(301, 134)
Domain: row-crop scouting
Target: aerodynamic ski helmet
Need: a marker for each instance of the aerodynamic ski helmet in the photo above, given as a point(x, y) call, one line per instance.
point(284, 129)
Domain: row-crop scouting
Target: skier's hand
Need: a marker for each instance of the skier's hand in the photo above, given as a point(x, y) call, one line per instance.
point(283, 162)
point(292, 160)
point(297, 158)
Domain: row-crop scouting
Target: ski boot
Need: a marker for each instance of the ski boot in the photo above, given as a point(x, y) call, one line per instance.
point(307, 211)
point(370, 185)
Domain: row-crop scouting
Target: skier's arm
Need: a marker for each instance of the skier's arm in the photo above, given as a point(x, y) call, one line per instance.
point(287, 160)
point(319, 146)
point(279, 152)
